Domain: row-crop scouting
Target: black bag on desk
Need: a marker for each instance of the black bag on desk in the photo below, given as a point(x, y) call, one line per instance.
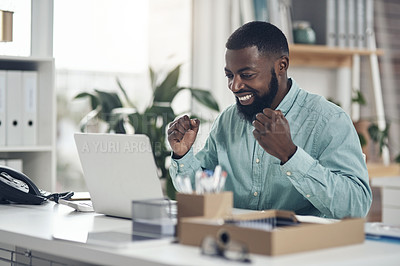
point(16, 187)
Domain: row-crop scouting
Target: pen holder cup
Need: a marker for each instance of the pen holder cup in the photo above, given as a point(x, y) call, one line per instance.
point(211, 205)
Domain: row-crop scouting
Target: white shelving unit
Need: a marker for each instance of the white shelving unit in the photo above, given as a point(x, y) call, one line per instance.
point(39, 161)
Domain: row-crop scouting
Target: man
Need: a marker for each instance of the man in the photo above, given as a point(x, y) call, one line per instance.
point(282, 147)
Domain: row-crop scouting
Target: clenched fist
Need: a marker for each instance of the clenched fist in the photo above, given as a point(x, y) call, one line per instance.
point(182, 134)
point(272, 132)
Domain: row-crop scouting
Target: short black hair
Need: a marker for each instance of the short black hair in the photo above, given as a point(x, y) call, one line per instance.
point(268, 38)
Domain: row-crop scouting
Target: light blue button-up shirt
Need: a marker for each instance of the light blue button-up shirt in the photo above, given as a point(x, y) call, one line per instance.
point(327, 176)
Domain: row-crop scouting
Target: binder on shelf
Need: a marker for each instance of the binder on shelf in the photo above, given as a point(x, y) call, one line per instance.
point(261, 10)
point(351, 23)
point(3, 108)
point(369, 24)
point(341, 23)
point(14, 108)
point(279, 14)
point(285, 15)
point(331, 23)
point(247, 10)
point(360, 23)
point(273, 13)
point(29, 113)
point(235, 15)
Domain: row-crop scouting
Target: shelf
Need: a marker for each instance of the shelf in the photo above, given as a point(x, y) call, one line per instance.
point(39, 161)
point(26, 149)
point(325, 56)
point(25, 58)
point(376, 170)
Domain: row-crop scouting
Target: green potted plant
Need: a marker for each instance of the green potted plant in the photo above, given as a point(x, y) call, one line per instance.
point(368, 131)
point(123, 116)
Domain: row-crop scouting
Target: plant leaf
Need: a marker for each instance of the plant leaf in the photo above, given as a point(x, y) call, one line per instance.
point(108, 101)
point(363, 141)
point(205, 98)
point(166, 113)
point(397, 159)
point(118, 126)
point(373, 131)
point(130, 103)
point(136, 120)
point(168, 89)
point(153, 79)
point(94, 100)
point(379, 136)
point(359, 98)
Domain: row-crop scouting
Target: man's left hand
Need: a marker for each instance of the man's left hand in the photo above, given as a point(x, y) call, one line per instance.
point(272, 132)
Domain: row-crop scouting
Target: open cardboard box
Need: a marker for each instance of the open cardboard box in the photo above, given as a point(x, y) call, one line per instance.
point(297, 237)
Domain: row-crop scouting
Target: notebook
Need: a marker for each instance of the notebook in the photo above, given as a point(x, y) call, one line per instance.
point(118, 169)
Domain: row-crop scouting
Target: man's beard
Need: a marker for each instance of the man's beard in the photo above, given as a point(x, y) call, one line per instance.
point(248, 112)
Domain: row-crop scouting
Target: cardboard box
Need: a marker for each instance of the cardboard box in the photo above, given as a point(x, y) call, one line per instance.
point(204, 205)
point(300, 237)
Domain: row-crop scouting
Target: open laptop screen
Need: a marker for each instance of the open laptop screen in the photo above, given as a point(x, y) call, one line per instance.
point(117, 169)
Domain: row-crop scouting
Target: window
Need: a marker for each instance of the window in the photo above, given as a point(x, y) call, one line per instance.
point(96, 41)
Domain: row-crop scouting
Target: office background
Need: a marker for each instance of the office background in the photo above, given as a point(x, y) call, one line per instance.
point(96, 41)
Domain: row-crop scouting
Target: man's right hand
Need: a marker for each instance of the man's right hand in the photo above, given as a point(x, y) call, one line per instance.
point(182, 134)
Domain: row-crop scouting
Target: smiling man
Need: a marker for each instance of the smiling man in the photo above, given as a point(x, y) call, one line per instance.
point(282, 147)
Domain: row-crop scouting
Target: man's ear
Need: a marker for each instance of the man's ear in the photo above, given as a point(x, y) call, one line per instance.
point(282, 65)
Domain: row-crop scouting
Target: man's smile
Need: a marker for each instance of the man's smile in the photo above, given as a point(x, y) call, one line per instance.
point(245, 98)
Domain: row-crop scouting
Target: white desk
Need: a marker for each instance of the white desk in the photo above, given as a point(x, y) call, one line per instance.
point(32, 227)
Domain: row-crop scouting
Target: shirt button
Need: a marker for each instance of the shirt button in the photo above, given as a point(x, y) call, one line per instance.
point(181, 165)
point(257, 160)
point(288, 173)
point(308, 195)
point(255, 194)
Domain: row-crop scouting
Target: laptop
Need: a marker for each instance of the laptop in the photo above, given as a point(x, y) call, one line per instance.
point(118, 169)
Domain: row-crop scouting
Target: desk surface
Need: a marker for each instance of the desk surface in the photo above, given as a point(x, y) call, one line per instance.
point(33, 227)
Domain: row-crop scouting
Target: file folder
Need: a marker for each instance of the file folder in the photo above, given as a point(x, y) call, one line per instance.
point(341, 22)
point(29, 113)
point(369, 24)
point(360, 19)
point(351, 23)
point(2, 108)
point(14, 108)
point(331, 33)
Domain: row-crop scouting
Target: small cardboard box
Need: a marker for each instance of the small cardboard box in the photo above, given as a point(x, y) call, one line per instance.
point(287, 239)
point(205, 205)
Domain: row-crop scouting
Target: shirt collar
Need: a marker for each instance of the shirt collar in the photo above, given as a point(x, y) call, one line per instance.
point(287, 102)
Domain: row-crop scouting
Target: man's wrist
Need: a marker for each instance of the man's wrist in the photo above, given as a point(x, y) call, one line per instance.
point(176, 157)
point(287, 158)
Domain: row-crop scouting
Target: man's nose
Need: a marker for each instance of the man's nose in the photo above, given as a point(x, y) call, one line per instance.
point(236, 85)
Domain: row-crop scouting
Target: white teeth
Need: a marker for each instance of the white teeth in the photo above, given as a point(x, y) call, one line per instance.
point(245, 98)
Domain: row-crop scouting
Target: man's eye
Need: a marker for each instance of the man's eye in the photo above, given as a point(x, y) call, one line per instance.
point(246, 76)
point(229, 76)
